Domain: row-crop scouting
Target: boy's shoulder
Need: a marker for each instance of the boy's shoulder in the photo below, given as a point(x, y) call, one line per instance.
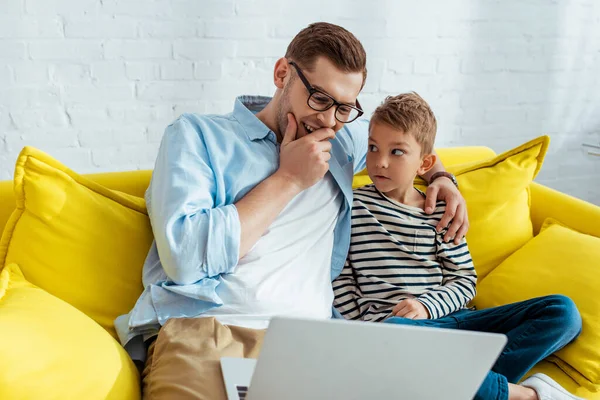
point(367, 194)
point(369, 197)
point(367, 189)
point(370, 191)
point(440, 206)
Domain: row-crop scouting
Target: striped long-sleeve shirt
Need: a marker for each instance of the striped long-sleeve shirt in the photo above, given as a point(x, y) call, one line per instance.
point(396, 254)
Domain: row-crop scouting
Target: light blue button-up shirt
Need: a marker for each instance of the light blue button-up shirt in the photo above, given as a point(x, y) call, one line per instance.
point(205, 164)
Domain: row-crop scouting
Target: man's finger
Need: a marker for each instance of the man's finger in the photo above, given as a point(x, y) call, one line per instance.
point(461, 232)
point(430, 199)
point(456, 224)
point(324, 146)
point(451, 206)
point(290, 130)
point(322, 134)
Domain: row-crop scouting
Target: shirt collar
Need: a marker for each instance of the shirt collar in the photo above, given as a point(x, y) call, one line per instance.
point(244, 111)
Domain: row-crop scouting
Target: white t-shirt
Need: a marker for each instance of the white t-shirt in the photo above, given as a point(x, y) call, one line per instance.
point(288, 271)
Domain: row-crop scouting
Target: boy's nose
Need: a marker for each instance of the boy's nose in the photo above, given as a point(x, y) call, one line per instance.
point(381, 162)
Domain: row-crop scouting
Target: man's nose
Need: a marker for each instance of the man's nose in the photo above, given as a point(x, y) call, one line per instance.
point(327, 117)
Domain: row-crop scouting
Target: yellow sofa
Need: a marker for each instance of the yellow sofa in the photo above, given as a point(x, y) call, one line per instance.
point(544, 203)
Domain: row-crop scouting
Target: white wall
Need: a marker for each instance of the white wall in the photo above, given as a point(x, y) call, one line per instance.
point(94, 82)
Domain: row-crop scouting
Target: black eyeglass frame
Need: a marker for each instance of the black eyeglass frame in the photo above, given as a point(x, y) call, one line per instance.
point(337, 104)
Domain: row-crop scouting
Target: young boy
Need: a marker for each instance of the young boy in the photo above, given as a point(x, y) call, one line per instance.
point(398, 265)
point(400, 270)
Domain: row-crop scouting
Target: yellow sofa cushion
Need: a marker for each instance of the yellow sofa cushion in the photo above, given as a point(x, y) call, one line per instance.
point(557, 261)
point(497, 194)
point(50, 350)
point(77, 240)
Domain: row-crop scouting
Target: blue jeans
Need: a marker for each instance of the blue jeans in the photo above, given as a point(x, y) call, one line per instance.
point(535, 329)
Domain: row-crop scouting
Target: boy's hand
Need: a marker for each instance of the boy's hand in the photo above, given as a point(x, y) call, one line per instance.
point(410, 308)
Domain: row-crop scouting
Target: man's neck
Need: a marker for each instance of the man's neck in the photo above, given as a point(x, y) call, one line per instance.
point(268, 116)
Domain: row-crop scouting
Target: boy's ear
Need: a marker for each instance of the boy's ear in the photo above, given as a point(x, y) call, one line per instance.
point(427, 163)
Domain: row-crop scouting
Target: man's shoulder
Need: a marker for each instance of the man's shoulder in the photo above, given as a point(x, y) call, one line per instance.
point(353, 133)
point(201, 122)
point(204, 127)
point(360, 127)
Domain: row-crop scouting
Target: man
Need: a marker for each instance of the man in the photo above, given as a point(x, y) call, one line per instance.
point(251, 216)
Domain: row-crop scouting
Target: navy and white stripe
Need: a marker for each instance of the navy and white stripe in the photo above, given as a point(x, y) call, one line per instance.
point(395, 254)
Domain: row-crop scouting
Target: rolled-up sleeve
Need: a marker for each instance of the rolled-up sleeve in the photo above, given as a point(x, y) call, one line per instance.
point(195, 238)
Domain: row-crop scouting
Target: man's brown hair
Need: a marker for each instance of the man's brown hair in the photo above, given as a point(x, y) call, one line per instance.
point(335, 43)
point(411, 114)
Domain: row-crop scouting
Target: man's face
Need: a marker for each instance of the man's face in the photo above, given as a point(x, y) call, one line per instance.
point(342, 86)
point(393, 158)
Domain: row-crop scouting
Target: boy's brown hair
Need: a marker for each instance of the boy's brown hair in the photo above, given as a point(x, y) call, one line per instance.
point(335, 43)
point(409, 113)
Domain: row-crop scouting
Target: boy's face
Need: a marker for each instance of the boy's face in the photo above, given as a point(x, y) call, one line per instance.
point(342, 86)
point(394, 158)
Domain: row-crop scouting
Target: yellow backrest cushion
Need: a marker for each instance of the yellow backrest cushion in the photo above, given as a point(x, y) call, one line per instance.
point(50, 350)
point(557, 261)
point(79, 241)
point(450, 156)
point(497, 194)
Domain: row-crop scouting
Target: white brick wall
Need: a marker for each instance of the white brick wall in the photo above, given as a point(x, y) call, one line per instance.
point(94, 82)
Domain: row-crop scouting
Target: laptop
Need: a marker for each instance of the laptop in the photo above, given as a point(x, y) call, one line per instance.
point(337, 359)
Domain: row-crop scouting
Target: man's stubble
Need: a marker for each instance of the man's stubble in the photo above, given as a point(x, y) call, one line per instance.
point(284, 107)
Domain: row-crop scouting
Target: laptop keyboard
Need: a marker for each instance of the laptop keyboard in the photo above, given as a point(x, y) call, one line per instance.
point(242, 391)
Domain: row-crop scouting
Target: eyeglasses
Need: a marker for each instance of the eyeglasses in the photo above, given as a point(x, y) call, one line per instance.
point(320, 101)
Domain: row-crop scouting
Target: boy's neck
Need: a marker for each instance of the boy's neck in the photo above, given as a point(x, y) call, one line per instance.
point(408, 196)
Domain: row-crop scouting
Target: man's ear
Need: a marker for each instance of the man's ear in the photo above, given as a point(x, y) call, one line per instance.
point(280, 72)
point(427, 163)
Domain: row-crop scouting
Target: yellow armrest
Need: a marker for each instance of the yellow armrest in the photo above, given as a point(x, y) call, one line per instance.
point(575, 213)
point(51, 350)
